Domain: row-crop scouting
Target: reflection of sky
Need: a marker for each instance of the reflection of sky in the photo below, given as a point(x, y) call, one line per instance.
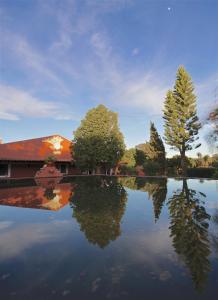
point(48, 247)
point(19, 238)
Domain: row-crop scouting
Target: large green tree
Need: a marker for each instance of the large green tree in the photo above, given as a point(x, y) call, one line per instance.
point(180, 115)
point(129, 157)
point(98, 140)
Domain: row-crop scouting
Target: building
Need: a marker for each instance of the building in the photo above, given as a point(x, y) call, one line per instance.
point(24, 158)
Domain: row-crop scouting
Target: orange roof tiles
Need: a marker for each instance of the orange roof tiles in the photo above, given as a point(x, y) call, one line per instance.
point(37, 149)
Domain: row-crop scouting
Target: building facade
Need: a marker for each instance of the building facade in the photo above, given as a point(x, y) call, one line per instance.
point(23, 159)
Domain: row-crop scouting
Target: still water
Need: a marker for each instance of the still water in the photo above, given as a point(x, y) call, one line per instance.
point(109, 238)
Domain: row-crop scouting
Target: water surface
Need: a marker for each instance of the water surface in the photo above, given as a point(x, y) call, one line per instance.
point(109, 238)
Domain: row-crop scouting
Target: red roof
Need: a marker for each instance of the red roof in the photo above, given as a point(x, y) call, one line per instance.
point(37, 149)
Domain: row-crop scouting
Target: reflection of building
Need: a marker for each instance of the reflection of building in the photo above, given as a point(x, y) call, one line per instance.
point(41, 197)
point(25, 158)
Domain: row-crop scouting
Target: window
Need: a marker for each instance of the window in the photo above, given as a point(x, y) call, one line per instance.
point(4, 170)
point(63, 168)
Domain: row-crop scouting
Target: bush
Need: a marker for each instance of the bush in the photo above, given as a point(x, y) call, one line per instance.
point(215, 174)
point(151, 167)
point(215, 164)
point(140, 157)
point(201, 172)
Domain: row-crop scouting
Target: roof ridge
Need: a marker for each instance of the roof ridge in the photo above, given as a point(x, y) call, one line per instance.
point(39, 138)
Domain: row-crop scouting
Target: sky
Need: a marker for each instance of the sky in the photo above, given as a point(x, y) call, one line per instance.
point(59, 58)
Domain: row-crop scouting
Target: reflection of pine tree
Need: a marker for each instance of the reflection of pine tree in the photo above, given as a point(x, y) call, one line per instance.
point(157, 192)
point(156, 189)
point(98, 206)
point(189, 230)
point(214, 235)
point(158, 197)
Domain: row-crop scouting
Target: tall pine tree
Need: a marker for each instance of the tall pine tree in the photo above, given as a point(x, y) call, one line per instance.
point(157, 147)
point(180, 115)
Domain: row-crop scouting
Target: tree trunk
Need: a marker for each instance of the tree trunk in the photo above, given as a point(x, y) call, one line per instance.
point(98, 170)
point(185, 189)
point(183, 164)
point(116, 170)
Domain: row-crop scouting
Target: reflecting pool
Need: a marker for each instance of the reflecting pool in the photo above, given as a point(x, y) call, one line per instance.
point(109, 238)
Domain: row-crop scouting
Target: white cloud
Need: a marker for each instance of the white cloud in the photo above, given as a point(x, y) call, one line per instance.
point(61, 67)
point(8, 116)
point(207, 95)
point(15, 103)
point(38, 66)
point(134, 89)
point(100, 45)
point(102, 70)
point(18, 239)
point(144, 92)
point(5, 224)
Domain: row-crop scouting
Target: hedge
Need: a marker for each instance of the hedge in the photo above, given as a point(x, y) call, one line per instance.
point(201, 172)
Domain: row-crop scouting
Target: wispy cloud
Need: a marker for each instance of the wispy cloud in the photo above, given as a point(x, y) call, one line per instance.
point(207, 95)
point(20, 238)
point(101, 70)
point(16, 104)
point(144, 92)
point(64, 69)
point(138, 89)
point(31, 60)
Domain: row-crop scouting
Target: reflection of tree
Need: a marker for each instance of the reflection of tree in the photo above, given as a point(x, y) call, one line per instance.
point(128, 182)
point(157, 191)
point(214, 235)
point(155, 187)
point(98, 206)
point(189, 230)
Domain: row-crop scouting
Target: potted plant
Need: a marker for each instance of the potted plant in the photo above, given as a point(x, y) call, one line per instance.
point(50, 161)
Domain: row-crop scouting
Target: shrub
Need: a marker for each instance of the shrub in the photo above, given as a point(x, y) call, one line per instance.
point(215, 174)
point(215, 164)
point(201, 172)
point(151, 167)
point(140, 157)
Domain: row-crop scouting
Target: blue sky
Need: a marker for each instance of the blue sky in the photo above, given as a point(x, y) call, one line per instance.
point(60, 58)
